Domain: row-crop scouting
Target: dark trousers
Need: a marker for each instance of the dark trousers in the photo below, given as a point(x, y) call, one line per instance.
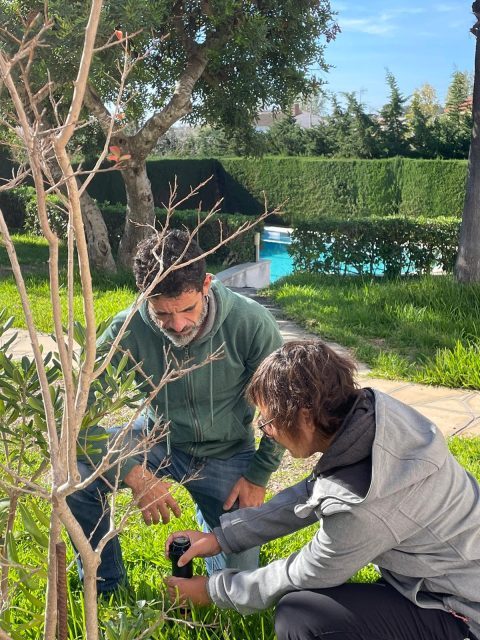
point(362, 612)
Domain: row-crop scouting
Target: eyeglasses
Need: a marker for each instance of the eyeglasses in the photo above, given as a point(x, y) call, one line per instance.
point(261, 424)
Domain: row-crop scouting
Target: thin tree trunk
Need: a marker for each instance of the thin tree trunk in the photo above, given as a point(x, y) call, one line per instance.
point(467, 268)
point(98, 244)
point(140, 215)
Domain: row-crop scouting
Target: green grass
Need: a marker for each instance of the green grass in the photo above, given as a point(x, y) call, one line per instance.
point(111, 293)
point(143, 547)
point(424, 329)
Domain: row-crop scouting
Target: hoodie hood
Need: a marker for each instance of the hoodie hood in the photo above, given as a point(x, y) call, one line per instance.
point(407, 449)
point(223, 306)
point(382, 448)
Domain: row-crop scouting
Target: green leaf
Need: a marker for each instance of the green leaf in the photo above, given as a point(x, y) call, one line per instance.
point(40, 515)
point(32, 527)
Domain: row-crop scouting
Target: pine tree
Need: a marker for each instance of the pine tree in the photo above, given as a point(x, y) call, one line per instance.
point(459, 90)
point(394, 127)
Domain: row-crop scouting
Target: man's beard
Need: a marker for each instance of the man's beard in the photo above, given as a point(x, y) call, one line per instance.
point(182, 339)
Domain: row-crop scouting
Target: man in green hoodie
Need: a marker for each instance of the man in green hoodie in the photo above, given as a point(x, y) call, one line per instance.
point(210, 440)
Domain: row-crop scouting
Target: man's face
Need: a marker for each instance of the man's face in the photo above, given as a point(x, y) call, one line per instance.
point(180, 318)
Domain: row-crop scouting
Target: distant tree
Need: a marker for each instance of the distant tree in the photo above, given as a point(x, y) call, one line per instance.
point(394, 127)
point(286, 137)
point(363, 130)
point(210, 142)
point(467, 268)
point(453, 128)
point(459, 90)
point(319, 140)
point(425, 101)
point(453, 134)
point(339, 125)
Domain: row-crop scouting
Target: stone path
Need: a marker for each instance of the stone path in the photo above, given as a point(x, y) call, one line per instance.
point(455, 411)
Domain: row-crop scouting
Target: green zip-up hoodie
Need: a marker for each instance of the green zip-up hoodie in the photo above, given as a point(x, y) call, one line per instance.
point(208, 414)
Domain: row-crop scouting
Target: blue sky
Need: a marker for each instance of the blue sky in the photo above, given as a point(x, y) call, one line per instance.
point(418, 41)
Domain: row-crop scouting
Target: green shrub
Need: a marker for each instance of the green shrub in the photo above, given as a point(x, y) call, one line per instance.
point(308, 189)
point(389, 246)
point(22, 211)
point(13, 204)
point(219, 226)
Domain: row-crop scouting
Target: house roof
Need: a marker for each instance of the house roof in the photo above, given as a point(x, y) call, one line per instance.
point(305, 119)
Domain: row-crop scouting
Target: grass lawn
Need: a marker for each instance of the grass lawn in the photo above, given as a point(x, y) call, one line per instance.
point(143, 549)
point(111, 293)
point(424, 329)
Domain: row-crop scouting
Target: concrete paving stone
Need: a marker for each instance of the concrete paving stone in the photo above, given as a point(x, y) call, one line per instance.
point(448, 423)
point(423, 394)
point(472, 400)
point(387, 386)
point(473, 430)
point(455, 405)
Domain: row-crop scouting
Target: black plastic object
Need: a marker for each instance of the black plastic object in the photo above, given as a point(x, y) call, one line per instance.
point(177, 548)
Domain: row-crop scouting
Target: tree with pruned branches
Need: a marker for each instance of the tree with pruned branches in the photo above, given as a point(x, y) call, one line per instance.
point(214, 62)
point(44, 400)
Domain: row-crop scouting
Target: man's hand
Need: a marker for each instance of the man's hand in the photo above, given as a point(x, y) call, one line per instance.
point(202, 545)
point(247, 493)
point(194, 590)
point(152, 495)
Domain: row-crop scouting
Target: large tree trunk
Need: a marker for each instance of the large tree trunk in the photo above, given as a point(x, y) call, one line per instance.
point(140, 215)
point(467, 268)
point(98, 244)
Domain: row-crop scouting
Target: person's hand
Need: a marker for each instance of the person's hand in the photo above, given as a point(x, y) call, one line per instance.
point(193, 590)
point(152, 495)
point(202, 545)
point(247, 493)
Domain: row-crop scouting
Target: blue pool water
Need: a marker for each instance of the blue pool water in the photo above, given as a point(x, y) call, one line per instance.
point(274, 246)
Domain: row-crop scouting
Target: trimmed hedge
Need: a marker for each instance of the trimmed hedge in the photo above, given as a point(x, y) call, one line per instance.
point(242, 249)
point(309, 188)
point(109, 186)
point(315, 188)
point(389, 246)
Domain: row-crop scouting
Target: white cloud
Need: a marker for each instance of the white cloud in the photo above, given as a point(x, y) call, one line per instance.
point(366, 25)
point(381, 24)
point(446, 8)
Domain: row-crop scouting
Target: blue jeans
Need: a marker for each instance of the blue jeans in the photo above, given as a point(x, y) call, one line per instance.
point(214, 479)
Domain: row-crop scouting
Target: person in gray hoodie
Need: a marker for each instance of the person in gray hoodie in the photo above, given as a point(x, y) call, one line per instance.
point(386, 491)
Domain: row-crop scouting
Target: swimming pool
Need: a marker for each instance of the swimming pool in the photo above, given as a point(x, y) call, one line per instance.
point(274, 247)
point(274, 244)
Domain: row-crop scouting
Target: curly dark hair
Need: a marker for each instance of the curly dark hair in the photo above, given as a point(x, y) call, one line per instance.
point(158, 252)
point(305, 374)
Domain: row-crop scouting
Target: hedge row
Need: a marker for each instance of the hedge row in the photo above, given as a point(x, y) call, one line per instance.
point(241, 249)
point(309, 188)
point(389, 246)
point(314, 188)
point(109, 186)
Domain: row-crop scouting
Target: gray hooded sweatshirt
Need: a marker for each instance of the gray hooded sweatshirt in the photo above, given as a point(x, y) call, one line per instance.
point(387, 491)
